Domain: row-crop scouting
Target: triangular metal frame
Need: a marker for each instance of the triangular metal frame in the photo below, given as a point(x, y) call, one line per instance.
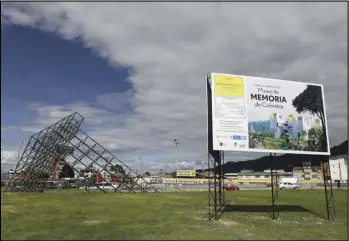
point(45, 149)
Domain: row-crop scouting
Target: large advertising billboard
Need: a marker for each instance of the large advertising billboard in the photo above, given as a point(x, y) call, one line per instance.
point(267, 115)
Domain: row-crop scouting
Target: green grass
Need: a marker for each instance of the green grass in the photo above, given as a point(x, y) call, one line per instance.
point(79, 215)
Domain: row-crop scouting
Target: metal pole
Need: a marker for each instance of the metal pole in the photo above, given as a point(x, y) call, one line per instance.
point(325, 176)
point(274, 189)
point(20, 147)
point(176, 143)
point(340, 173)
point(272, 184)
point(141, 165)
point(176, 171)
point(209, 187)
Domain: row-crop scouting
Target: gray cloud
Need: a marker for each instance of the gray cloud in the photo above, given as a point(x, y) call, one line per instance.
point(171, 46)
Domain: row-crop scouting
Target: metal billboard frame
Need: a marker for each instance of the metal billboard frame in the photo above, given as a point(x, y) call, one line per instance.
point(216, 196)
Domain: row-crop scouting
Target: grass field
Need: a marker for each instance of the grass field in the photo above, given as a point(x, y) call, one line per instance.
point(183, 215)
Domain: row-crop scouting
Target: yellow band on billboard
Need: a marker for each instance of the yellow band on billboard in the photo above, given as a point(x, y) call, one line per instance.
point(186, 173)
point(227, 85)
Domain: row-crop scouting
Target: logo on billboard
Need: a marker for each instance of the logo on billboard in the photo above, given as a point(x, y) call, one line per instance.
point(237, 137)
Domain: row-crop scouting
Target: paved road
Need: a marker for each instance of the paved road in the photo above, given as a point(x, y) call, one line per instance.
point(245, 187)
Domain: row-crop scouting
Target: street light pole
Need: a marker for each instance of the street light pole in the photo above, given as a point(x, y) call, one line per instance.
point(20, 147)
point(340, 172)
point(141, 165)
point(176, 143)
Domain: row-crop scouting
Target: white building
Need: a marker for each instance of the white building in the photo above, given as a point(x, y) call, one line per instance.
point(292, 125)
point(339, 169)
point(278, 171)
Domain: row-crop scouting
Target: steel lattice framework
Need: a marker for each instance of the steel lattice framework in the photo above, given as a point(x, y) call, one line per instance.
point(51, 146)
point(216, 192)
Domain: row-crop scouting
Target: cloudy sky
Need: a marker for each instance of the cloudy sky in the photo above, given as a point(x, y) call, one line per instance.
point(136, 71)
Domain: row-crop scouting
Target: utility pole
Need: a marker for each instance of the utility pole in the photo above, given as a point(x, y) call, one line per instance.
point(20, 147)
point(340, 172)
point(203, 169)
point(140, 158)
point(176, 143)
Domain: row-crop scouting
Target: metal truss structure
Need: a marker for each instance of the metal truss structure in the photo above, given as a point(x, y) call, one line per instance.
point(330, 208)
point(274, 190)
point(216, 192)
point(49, 149)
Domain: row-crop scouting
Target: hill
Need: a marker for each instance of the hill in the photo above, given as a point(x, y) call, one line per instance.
point(285, 162)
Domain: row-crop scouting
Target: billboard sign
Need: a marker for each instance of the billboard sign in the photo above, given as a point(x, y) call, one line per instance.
point(186, 173)
point(267, 115)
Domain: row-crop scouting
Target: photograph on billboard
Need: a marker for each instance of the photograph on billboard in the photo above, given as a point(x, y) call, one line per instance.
point(268, 115)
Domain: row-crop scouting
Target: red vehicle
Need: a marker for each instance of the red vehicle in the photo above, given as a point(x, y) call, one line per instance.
point(230, 187)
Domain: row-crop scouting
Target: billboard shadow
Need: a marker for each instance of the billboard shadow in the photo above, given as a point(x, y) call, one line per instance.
point(267, 209)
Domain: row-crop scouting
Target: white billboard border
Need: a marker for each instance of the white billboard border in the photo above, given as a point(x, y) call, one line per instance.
point(328, 153)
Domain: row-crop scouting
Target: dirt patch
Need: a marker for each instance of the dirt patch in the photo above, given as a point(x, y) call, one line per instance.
point(228, 222)
point(260, 217)
point(94, 222)
point(198, 218)
point(247, 198)
point(8, 209)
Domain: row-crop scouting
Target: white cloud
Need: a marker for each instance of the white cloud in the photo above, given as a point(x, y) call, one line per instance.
point(8, 159)
point(171, 46)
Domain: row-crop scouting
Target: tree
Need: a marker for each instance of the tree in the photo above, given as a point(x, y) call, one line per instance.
point(67, 171)
point(43, 175)
point(310, 100)
point(315, 135)
point(117, 168)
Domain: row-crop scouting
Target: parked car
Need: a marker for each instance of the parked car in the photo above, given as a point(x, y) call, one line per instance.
point(288, 185)
point(230, 187)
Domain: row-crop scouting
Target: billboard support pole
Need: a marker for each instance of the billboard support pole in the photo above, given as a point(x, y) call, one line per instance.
point(274, 190)
point(222, 180)
point(330, 210)
point(216, 194)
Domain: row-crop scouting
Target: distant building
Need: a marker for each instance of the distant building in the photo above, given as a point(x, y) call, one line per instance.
point(262, 175)
point(278, 171)
point(307, 173)
point(245, 170)
point(339, 168)
point(231, 175)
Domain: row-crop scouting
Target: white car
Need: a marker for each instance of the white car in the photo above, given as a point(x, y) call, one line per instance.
point(288, 185)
